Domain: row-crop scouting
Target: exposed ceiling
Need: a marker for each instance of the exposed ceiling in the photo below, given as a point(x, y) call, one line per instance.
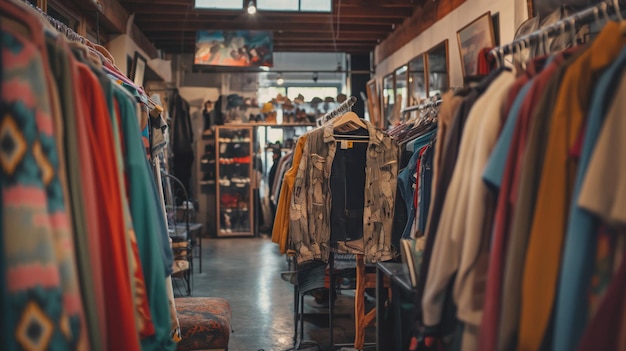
point(354, 26)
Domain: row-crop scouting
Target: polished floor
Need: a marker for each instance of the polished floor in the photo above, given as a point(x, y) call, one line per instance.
point(246, 272)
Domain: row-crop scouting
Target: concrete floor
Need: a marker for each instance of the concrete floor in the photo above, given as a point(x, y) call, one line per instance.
point(247, 273)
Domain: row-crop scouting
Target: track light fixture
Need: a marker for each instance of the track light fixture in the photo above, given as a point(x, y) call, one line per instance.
point(251, 7)
point(280, 79)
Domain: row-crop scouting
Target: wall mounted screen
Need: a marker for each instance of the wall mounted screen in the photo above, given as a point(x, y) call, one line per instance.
point(234, 48)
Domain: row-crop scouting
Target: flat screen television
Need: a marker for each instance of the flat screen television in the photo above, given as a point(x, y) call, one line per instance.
point(240, 48)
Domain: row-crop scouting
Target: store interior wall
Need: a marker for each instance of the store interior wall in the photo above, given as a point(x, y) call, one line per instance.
point(511, 12)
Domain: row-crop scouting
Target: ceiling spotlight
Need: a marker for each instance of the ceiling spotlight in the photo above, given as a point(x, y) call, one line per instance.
point(280, 80)
point(251, 7)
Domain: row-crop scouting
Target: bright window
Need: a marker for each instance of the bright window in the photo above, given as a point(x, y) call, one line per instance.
point(315, 5)
point(219, 4)
point(277, 5)
point(294, 5)
point(269, 93)
point(310, 92)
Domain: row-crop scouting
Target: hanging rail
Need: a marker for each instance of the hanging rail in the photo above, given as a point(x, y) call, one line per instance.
point(428, 103)
point(70, 34)
point(606, 8)
point(341, 109)
point(59, 26)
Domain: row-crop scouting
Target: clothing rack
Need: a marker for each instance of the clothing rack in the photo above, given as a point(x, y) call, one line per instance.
point(59, 26)
point(591, 14)
point(423, 105)
point(341, 109)
point(70, 34)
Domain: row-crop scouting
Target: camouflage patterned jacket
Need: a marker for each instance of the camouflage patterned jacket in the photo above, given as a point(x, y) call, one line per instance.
point(310, 207)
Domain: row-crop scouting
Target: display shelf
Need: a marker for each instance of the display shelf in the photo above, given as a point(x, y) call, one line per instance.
point(234, 200)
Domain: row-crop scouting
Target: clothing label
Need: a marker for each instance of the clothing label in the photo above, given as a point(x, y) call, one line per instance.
point(344, 144)
point(350, 144)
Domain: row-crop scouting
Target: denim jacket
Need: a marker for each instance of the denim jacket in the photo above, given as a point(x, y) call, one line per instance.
point(310, 205)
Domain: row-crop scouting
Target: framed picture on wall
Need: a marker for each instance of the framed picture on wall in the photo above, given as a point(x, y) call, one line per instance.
point(418, 87)
point(139, 69)
point(373, 103)
point(438, 77)
point(472, 38)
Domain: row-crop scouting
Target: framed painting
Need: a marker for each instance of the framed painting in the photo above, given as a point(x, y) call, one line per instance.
point(438, 72)
point(139, 69)
point(472, 38)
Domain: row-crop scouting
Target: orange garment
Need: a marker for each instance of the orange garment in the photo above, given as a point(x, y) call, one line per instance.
point(121, 328)
point(280, 233)
point(543, 257)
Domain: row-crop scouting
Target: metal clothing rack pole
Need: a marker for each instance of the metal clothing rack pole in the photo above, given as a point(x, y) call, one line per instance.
point(341, 109)
point(421, 106)
point(589, 15)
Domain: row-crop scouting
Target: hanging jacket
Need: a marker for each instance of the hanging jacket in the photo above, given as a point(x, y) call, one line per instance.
point(310, 207)
point(182, 131)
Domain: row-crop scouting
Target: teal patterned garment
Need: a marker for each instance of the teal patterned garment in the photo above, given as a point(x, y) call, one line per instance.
point(41, 303)
point(149, 227)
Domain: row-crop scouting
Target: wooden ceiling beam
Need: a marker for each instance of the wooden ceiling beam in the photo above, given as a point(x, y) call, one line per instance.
point(112, 14)
point(382, 3)
point(200, 18)
point(176, 49)
point(163, 2)
point(275, 26)
point(349, 36)
point(187, 9)
point(189, 41)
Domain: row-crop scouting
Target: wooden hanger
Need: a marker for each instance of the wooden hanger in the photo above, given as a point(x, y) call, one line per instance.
point(349, 117)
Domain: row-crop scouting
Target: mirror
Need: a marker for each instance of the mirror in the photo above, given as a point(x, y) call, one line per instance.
point(401, 87)
point(373, 103)
point(417, 80)
point(438, 75)
point(389, 94)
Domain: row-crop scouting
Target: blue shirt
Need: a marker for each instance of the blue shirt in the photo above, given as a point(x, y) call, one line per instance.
point(579, 250)
point(407, 179)
point(494, 171)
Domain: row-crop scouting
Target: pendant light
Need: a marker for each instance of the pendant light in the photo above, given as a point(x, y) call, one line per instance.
point(251, 7)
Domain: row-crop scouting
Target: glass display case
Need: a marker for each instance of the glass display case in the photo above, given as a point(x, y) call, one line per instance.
point(235, 178)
